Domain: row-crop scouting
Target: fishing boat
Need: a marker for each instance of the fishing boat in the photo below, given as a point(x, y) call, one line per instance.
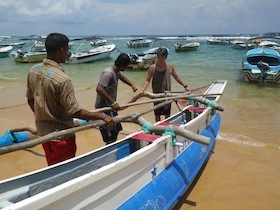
point(95, 54)
point(179, 47)
point(98, 42)
point(39, 44)
point(218, 41)
point(28, 56)
point(261, 65)
point(141, 61)
point(139, 42)
point(148, 169)
point(5, 51)
point(8, 41)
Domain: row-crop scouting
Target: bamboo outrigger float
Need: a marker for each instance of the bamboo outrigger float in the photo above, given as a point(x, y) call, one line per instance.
point(147, 169)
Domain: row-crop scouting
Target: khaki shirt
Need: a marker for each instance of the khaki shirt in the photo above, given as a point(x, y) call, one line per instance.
point(54, 98)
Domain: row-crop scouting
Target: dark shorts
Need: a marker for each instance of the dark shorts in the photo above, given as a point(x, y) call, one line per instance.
point(165, 110)
point(110, 135)
point(58, 151)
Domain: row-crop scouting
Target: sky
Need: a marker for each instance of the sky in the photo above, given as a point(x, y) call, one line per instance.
point(143, 17)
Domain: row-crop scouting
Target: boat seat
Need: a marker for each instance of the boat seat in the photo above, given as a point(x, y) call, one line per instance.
point(168, 123)
point(145, 137)
point(195, 108)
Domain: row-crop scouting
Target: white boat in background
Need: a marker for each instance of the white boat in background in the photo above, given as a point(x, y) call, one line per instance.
point(192, 46)
point(6, 41)
point(270, 44)
point(139, 42)
point(5, 51)
point(39, 44)
point(217, 41)
point(99, 53)
point(141, 61)
point(29, 56)
point(149, 169)
point(15, 45)
point(98, 42)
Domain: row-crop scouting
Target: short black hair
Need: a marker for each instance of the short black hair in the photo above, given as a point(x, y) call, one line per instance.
point(122, 60)
point(56, 41)
point(162, 51)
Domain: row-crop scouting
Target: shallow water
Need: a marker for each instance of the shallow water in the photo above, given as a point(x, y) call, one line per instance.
point(244, 170)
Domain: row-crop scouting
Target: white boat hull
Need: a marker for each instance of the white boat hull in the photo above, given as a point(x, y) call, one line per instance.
point(29, 57)
point(128, 174)
point(5, 51)
point(99, 53)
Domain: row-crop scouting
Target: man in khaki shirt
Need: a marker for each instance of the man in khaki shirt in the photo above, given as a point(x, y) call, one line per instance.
point(50, 95)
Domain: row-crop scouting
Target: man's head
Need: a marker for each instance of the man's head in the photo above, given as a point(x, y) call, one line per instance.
point(57, 47)
point(122, 61)
point(162, 52)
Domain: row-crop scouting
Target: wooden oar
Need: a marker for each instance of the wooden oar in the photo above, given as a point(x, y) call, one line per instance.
point(177, 130)
point(159, 98)
point(172, 96)
point(59, 134)
point(91, 124)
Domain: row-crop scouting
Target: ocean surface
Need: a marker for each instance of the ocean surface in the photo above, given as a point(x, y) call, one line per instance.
point(248, 145)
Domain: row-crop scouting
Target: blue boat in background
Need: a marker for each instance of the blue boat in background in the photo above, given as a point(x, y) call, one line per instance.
point(149, 169)
point(261, 65)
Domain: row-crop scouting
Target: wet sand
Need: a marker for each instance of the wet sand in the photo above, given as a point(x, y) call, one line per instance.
point(237, 176)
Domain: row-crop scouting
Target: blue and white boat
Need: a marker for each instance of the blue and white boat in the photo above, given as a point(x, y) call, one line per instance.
point(5, 51)
point(149, 169)
point(261, 65)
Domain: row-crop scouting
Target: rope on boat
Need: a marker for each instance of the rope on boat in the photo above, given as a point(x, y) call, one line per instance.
point(169, 131)
point(146, 127)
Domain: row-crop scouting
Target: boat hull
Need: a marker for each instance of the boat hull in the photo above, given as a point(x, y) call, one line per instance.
point(142, 170)
point(186, 47)
point(165, 189)
point(138, 43)
point(87, 57)
point(5, 51)
point(96, 54)
point(29, 57)
point(141, 62)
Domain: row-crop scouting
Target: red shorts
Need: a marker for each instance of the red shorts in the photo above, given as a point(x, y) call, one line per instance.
point(59, 151)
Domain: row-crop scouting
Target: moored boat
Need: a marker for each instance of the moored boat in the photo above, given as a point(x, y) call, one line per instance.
point(15, 45)
point(95, 54)
point(153, 167)
point(139, 42)
point(217, 41)
point(29, 56)
point(98, 42)
point(261, 65)
point(5, 51)
point(192, 46)
point(141, 61)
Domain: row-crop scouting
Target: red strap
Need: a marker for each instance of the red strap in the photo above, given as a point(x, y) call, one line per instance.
point(195, 108)
point(168, 123)
point(145, 137)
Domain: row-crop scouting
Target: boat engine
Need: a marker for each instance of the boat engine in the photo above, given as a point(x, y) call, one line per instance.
point(20, 54)
point(264, 67)
point(133, 57)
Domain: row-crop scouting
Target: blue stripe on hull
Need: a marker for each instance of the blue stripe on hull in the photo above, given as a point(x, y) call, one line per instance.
point(165, 189)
